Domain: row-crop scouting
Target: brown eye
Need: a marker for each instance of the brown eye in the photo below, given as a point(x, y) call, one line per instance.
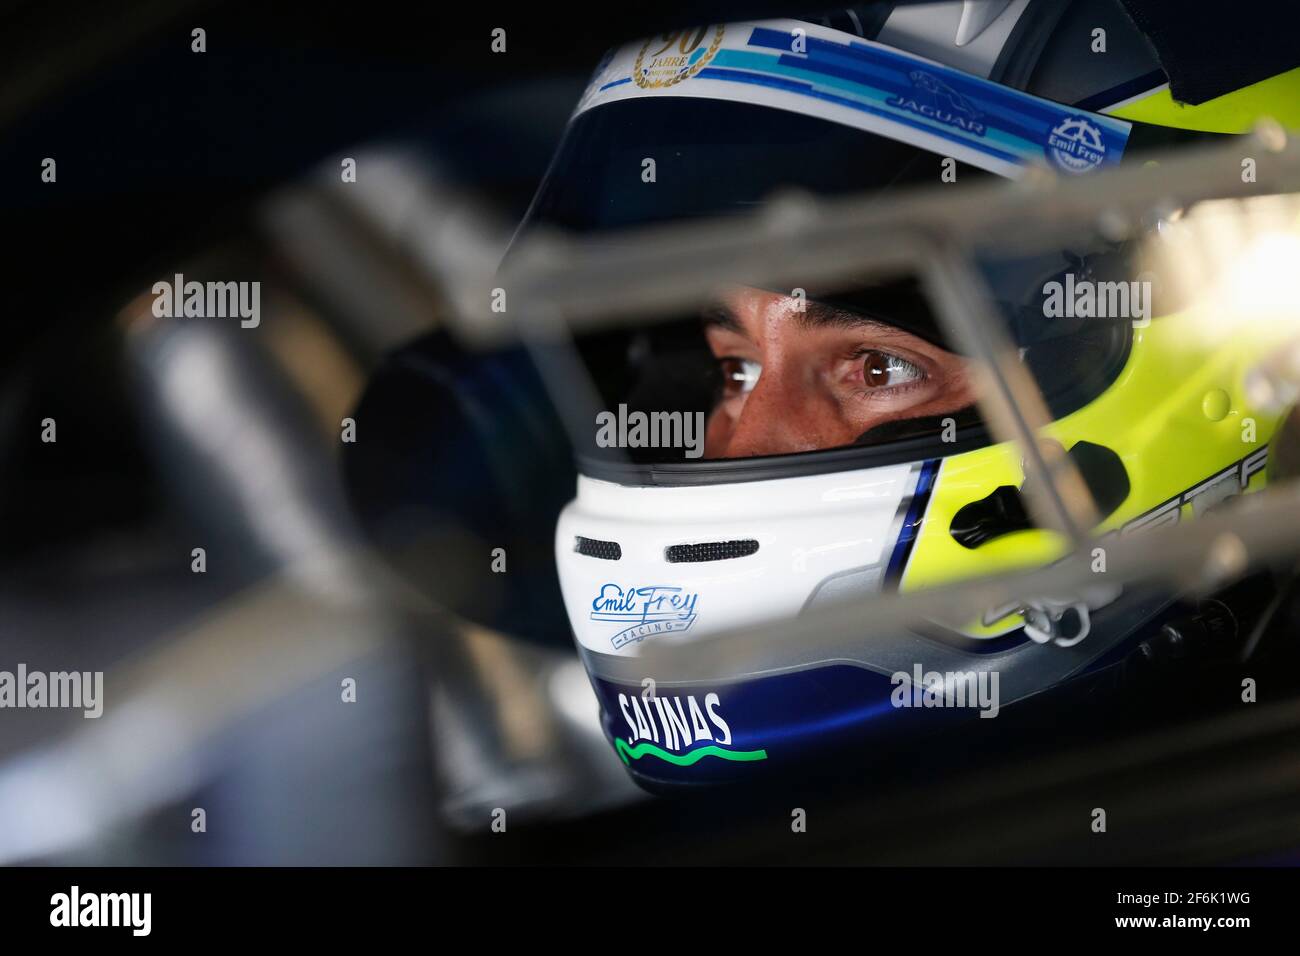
point(738, 375)
point(882, 370)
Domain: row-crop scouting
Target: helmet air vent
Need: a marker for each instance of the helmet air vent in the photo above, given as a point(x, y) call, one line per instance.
point(710, 551)
point(595, 548)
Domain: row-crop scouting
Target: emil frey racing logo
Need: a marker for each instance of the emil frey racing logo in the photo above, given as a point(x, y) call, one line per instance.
point(1075, 145)
point(936, 100)
point(656, 609)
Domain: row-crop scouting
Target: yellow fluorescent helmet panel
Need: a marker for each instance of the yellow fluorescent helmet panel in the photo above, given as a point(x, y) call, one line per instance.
point(1165, 416)
point(1277, 98)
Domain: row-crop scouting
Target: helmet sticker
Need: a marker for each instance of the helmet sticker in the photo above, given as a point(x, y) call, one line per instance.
point(682, 56)
point(643, 611)
point(1076, 145)
point(821, 72)
point(677, 729)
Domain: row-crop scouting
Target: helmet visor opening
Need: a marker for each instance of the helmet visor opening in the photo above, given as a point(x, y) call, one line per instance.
point(784, 375)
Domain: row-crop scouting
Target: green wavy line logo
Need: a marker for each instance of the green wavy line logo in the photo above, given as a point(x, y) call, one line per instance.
point(683, 760)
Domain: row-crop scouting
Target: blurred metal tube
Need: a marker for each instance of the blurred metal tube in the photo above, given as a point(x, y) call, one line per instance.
point(604, 282)
point(1197, 556)
point(1010, 399)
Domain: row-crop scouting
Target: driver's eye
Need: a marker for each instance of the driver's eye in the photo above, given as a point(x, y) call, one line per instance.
point(882, 370)
point(739, 376)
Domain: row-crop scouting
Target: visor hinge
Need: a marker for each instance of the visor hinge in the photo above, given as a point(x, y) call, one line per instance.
point(1064, 622)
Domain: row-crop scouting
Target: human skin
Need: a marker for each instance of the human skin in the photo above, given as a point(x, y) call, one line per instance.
point(801, 376)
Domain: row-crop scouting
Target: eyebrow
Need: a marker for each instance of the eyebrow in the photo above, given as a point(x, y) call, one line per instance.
point(815, 315)
point(718, 316)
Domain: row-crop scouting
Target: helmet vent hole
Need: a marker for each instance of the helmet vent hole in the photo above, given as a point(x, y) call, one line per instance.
point(710, 551)
point(595, 548)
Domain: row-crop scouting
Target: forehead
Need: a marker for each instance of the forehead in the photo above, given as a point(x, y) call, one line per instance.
point(743, 309)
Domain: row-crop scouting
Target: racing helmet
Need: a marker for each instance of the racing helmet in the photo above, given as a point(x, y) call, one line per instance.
point(783, 448)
